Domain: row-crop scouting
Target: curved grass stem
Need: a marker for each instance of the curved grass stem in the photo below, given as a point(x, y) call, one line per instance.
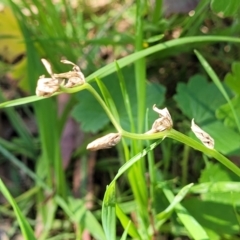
point(168, 133)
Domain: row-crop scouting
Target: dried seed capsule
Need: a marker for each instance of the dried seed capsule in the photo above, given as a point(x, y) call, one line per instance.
point(204, 137)
point(163, 123)
point(46, 86)
point(74, 77)
point(107, 141)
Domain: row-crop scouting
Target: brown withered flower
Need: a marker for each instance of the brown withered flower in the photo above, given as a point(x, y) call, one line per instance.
point(73, 78)
point(204, 137)
point(164, 122)
point(47, 86)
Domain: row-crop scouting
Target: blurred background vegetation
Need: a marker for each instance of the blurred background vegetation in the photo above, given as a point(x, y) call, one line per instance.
point(58, 185)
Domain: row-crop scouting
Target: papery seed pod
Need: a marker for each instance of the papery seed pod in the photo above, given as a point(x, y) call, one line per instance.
point(107, 141)
point(163, 123)
point(74, 81)
point(204, 137)
point(46, 86)
point(74, 77)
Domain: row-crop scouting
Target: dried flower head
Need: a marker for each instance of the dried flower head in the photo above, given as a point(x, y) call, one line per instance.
point(74, 77)
point(204, 137)
point(163, 123)
point(46, 86)
point(108, 141)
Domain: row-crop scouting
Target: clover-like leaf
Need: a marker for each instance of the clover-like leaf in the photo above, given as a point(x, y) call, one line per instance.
point(225, 113)
point(232, 79)
point(199, 99)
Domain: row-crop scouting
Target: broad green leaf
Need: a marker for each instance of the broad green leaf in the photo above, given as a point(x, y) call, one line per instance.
point(26, 230)
point(232, 80)
point(211, 73)
point(225, 114)
point(94, 118)
point(227, 8)
point(199, 99)
point(215, 173)
point(214, 216)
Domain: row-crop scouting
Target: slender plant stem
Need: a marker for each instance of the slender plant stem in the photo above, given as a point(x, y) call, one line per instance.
point(140, 66)
point(169, 133)
point(185, 164)
point(157, 12)
point(101, 102)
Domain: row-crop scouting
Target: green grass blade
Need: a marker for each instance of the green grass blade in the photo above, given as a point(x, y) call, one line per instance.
point(20, 101)
point(24, 225)
point(110, 68)
point(136, 158)
point(193, 227)
point(178, 136)
point(210, 152)
point(127, 223)
point(164, 215)
point(125, 233)
point(125, 95)
point(218, 83)
point(108, 99)
point(109, 212)
point(93, 226)
point(140, 66)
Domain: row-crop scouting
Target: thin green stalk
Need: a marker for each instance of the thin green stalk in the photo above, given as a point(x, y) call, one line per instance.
point(125, 96)
point(185, 164)
point(110, 68)
point(157, 11)
point(102, 103)
point(188, 141)
point(140, 67)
